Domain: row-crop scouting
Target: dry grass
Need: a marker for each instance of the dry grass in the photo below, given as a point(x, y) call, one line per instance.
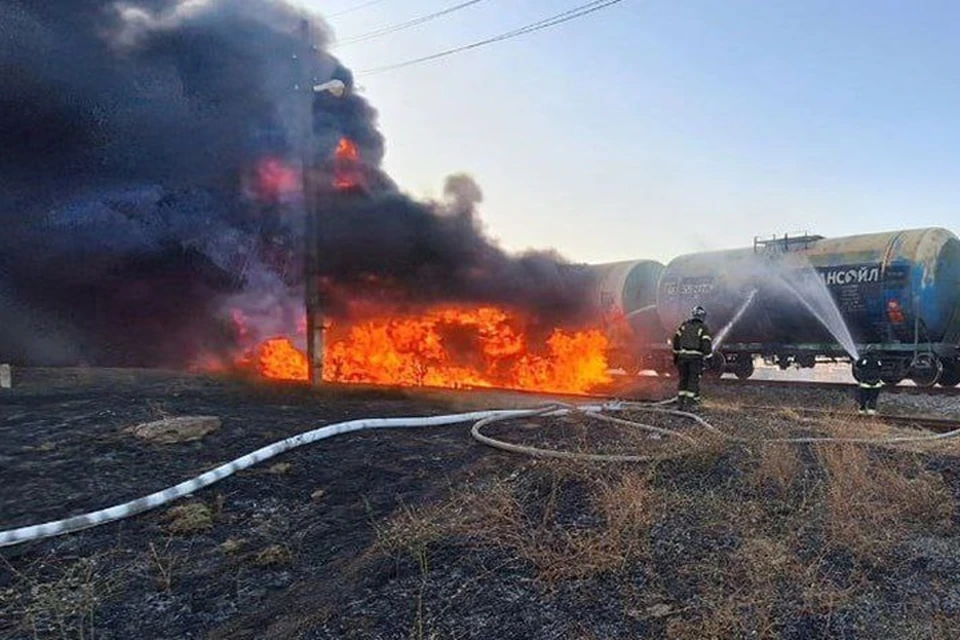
point(163, 562)
point(275, 554)
point(742, 590)
point(582, 433)
point(411, 529)
point(626, 506)
point(846, 501)
point(871, 505)
point(64, 602)
point(701, 456)
point(280, 468)
point(949, 447)
point(496, 516)
point(845, 425)
point(777, 468)
point(189, 518)
point(174, 430)
point(232, 545)
point(852, 426)
point(789, 413)
point(747, 588)
point(722, 405)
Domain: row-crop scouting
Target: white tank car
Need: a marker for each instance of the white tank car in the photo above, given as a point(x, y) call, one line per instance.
point(622, 288)
point(624, 296)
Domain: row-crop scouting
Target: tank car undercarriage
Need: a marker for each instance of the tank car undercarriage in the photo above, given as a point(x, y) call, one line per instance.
point(926, 365)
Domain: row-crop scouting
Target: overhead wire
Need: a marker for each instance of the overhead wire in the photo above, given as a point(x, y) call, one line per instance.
point(362, 5)
point(377, 33)
point(554, 20)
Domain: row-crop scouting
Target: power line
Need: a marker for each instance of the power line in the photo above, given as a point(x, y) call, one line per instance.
point(560, 18)
point(406, 25)
point(362, 5)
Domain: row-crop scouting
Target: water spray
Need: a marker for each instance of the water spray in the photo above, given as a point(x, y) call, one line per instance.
point(725, 331)
point(829, 317)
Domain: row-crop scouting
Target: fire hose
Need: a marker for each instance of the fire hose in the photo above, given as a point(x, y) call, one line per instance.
point(128, 509)
point(479, 419)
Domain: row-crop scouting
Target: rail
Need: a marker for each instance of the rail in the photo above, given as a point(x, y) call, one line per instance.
point(813, 384)
point(930, 423)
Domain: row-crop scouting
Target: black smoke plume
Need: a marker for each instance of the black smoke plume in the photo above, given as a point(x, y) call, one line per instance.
point(133, 225)
point(404, 251)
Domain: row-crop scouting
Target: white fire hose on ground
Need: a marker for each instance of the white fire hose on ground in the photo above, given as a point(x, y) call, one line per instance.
point(159, 498)
point(480, 419)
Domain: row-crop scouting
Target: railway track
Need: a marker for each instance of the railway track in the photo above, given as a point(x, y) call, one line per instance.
point(900, 389)
point(811, 384)
point(930, 423)
point(625, 386)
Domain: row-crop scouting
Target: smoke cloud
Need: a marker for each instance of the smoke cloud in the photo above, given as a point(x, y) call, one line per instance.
point(426, 252)
point(145, 195)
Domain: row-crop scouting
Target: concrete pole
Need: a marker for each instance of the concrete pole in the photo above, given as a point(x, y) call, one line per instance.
point(313, 308)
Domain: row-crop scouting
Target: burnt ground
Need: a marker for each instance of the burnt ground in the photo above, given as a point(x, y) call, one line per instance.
point(424, 533)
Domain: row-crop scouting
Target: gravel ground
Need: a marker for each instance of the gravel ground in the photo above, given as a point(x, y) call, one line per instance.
point(426, 534)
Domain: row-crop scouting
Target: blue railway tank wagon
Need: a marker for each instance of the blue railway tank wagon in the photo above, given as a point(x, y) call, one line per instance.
point(897, 291)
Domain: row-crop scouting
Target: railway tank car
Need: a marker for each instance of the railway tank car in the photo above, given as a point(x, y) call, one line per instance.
point(896, 291)
point(624, 297)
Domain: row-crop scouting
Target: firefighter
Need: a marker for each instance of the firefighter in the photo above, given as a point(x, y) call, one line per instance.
point(869, 383)
point(692, 343)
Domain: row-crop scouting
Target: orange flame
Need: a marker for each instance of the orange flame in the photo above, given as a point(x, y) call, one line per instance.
point(346, 165)
point(448, 347)
point(274, 179)
point(277, 358)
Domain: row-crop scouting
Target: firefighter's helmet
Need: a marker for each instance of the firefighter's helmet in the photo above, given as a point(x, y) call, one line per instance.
point(698, 312)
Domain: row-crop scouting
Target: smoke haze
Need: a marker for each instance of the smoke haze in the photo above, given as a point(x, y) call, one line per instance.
point(137, 144)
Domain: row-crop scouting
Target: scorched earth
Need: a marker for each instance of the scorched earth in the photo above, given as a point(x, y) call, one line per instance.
point(425, 534)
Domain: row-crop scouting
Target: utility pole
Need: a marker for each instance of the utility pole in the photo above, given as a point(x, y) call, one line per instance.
point(313, 307)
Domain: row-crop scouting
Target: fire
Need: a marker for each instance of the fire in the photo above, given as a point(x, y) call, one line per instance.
point(277, 358)
point(448, 347)
point(274, 179)
point(346, 165)
point(346, 150)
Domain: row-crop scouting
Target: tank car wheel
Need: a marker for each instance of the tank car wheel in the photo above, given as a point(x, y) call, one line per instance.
point(891, 379)
point(743, 367)
point(715, 366)
point(925, 370)
point(894, 371)
point(806, 361)
point(855, 372)
point(950, 377)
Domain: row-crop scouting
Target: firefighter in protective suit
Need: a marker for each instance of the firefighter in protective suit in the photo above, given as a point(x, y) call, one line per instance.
point(868, 369)
point(692, 343)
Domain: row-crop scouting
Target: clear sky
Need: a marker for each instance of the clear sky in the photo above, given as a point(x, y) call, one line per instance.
point(658, 127)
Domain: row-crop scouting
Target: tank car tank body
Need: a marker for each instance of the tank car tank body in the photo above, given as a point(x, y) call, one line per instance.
point(624, 297)
point(896, 291)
